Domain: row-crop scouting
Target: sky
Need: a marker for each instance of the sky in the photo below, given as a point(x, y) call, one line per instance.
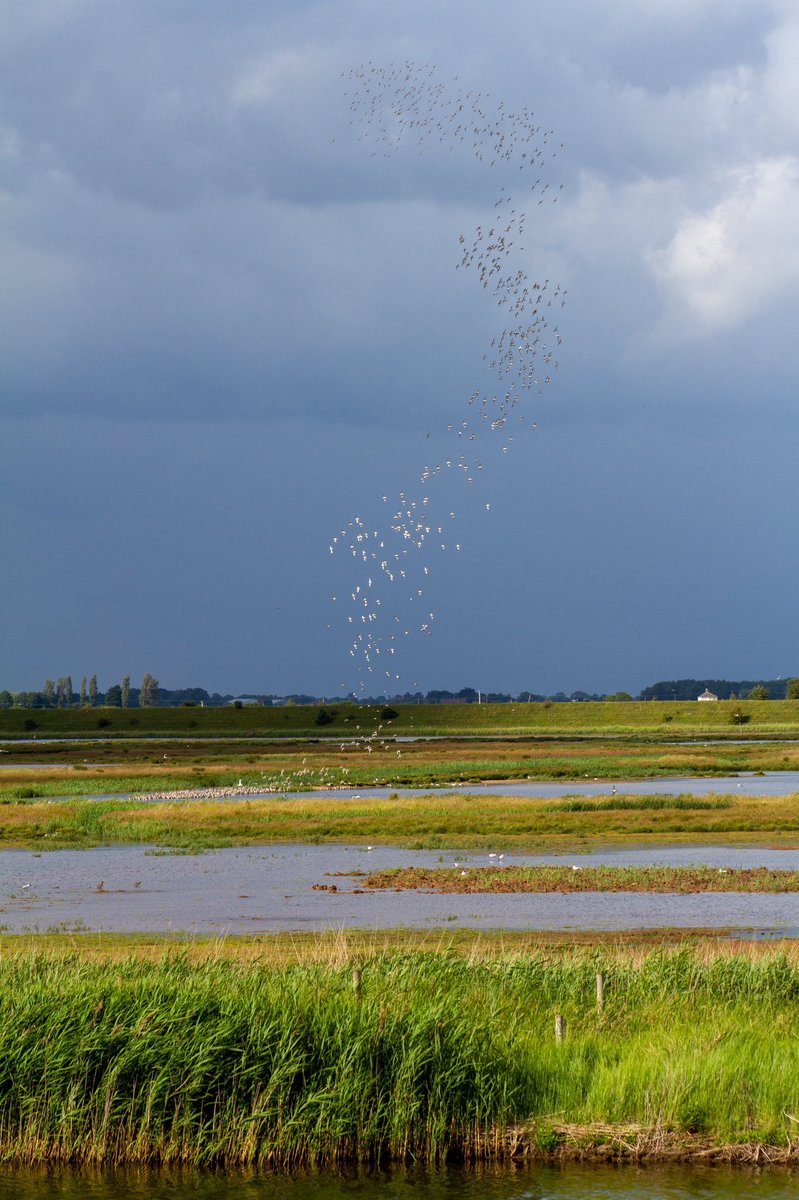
point(233, 318)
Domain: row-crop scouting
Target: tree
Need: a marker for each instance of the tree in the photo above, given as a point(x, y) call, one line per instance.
point(68, 694)
point(93, 690)
point(84, 694)
point(59, 692)
point(126, 691)
point(148, 695)
point(113, 696)
point(49, 693)
point(6, 699)
point(619, 696)
point(792, 690)
point(759, 692)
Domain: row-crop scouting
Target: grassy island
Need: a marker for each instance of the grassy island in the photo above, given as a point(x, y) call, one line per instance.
point(429, 822)
point(666, 880)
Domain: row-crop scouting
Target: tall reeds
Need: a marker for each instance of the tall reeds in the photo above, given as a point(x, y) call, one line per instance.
point(430, 1055)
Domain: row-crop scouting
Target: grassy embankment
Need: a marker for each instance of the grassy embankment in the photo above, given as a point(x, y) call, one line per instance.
point(422, 1057)
point(666, 719)
point(433, 822)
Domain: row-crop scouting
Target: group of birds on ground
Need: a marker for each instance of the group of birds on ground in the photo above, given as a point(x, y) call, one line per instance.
point(402, 106)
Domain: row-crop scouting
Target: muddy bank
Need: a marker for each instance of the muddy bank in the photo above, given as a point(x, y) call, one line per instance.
point(556, 1142)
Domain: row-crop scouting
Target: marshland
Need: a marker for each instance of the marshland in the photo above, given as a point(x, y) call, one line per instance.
point(432, 821)
point(400, 1056)
point(309, 1048)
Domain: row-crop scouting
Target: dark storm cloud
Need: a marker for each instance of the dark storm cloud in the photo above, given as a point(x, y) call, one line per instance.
point(187, 237)
point(226, 324)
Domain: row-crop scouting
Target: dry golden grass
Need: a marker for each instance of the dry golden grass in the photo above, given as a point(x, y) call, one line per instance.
point(350, 946)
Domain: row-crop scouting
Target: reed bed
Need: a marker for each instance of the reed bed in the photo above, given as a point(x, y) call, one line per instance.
point(417, 1056)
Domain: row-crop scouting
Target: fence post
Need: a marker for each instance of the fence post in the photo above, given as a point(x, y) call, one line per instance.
point(600, 991)
point(560, 1027)
point(356, 981)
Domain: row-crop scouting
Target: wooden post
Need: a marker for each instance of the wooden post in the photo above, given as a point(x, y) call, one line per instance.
point(600, 991)
point(560, 1027)
point(356, 981)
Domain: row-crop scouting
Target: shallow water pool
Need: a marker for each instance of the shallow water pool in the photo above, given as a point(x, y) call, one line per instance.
point(270, 888)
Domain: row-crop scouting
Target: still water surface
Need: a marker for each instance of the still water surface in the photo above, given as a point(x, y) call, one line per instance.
point(268, 888)
point(770, 783)
point(574, 1182)
point(767, 783)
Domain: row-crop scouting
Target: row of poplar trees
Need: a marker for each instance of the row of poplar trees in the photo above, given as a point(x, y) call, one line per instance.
point(60, 693)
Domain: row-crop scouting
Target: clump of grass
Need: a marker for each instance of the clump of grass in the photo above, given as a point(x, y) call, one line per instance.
point(639, 803)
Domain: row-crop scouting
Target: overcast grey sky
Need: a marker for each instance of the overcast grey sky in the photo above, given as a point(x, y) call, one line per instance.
point(227, 327)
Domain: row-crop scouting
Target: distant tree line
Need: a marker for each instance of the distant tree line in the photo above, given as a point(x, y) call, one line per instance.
point(60, 693)
point(725, 689)
point(473, 696)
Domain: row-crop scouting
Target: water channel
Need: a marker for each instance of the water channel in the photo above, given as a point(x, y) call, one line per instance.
point(767, 783)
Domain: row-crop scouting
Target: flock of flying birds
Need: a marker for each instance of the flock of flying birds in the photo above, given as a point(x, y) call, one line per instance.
point(396, 108)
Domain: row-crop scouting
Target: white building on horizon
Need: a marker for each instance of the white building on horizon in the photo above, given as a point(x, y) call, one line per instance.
point(707, 695)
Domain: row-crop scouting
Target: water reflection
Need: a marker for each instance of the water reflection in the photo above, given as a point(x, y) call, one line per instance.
point(572, 1182)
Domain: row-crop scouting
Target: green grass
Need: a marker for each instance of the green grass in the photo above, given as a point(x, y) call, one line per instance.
point(667, 719)
point(433, 1056)
point(640, 804)
point(96, 785)
point(462, 822)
